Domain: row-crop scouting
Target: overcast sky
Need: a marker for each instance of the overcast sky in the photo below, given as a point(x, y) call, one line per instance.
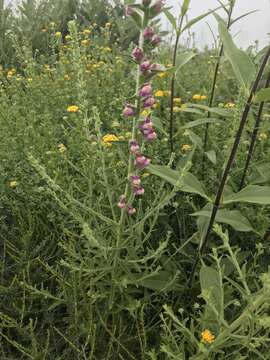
point(254, 27)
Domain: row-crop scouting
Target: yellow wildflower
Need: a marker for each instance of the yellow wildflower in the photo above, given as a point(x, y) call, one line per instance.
point(176, 109)
point(207, 337)
point(262, 136)
point(203, 97)
point(107, 49)
point(52, 24)
point(108, 24)
point(146, 112)
point(68, 37)
point(146, 174)
point(108, 139)
point(58, 34)
point(13, 184)
point(229, 105)
point(186, 147)
point(29, 79)
point(177, 100)
point(86, 32)
point(199, 97)
point(161, 74)
point(85, 42)
point(72, 109)
point(66, 77)
point(61, 148)
point(159, 93)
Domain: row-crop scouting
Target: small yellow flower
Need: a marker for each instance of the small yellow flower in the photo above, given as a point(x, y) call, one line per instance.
point(85, 42)
point(229, 105)
point(199, 97)
point(107, 49)
point(13, 184)
point(207, 337)
point(262, 136)
point(159, 93)
point(108, 24)
point(176, 109)
point(29, 80)
point(146, 112)
point(108, 139)
point(58, 34)
point(203, 97)
point(52, 24)
point(68, 37)
point(66, 77)
point(145, 175)
point(86, 32)
point(161, 74)
point(44, 30)
point(72, 109)
point(177, 100)
point(62, 148)
point(186, 147)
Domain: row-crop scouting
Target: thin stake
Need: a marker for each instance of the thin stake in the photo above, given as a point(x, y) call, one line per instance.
point(254, 137)
point(229, 163)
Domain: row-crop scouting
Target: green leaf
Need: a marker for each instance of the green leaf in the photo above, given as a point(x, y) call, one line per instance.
point(171, 19)
point(197, 19)
point(215, 110)
point(211, 285)
point(157, 124)
point(231, 217)
point(183, 59)
point(203, 121)
point(211, 154)
point(242, 65)
point(262, 95)
point(254, 194)
point(184, 7)
point(195, 139)
point(186, 183)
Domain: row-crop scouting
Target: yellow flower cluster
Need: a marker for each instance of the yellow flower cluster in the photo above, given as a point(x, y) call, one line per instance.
point(262, 136)
point(162, 93)
point(108, 139)
point(186, 147)
point(207, 337)
point(73, 109)
point(62, 148)
point(199, 97)
point(13, 184)
point(229, 105)
point(11, 73)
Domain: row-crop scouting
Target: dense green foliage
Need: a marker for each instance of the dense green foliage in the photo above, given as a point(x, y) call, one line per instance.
point(77, 282)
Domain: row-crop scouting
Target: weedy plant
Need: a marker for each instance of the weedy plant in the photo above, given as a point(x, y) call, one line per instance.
point(115, 241)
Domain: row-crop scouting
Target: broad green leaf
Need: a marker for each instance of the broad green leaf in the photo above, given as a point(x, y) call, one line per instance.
point(263, 95)
point(231, 217)
point(260, 174)
point(242, 65)
point(198, 122)
point(197, 19)
point(160, 281)
point(187, 183)
point(211, 284)
point(184, 7)
point(183, 59)
point(171, 19)
point(211, 154)
point(195, 139)
point(254, 194)
point(215, 110)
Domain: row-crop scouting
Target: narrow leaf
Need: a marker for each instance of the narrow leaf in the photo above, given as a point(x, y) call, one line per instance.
point(263, 95)
point(254, 194)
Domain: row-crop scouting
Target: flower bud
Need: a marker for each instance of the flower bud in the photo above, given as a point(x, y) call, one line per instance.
point(131, 210)
point(138, 190)
point(137, 54)
point(146, 90)
point(135, 180)
point(134, 147)
point(156, 40)
point(122, 202)
point(148, 33)
point(141, 161)
point(129, 110)
point(149, 102)
point(145, 67)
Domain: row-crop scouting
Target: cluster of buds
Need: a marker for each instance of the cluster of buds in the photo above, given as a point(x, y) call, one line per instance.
point(145, 100)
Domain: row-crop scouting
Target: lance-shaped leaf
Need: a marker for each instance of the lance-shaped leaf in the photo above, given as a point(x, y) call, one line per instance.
point(244, 69)
point(183, 59)
point(263, 95)
point(254, 194)
point(197, 19)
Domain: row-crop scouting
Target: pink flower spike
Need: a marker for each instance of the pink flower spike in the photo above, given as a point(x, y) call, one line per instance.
point(122, 202)
point(148, 33)
point(149, 102)
point(138, 190)
point(131, 210)
point(134, 147)
point(159, 5)
point(135, 180)
point(141, 161)
point(146, 124)
point(146, 90)
point(129, 110)
point(152, 135)
point(137, 54)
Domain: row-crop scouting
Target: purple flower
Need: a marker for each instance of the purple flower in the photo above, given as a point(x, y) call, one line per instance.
point(141, 161)
point(156, 40)
point(159, 6)
point(155, 67)
point(146, 90)
point(135, 180)
point(138, 190)
point(149, 102)
point(137, 54)
point(134, 147)
point(122, 202)
point(129, 11)
point(131, 210)
point(151, 135)
point(129, 110)
point(146, 124)
point(148, 33)
point(145, 67)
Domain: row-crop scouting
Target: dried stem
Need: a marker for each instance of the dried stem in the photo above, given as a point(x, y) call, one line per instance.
point(230, 162)
point(253, 138)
